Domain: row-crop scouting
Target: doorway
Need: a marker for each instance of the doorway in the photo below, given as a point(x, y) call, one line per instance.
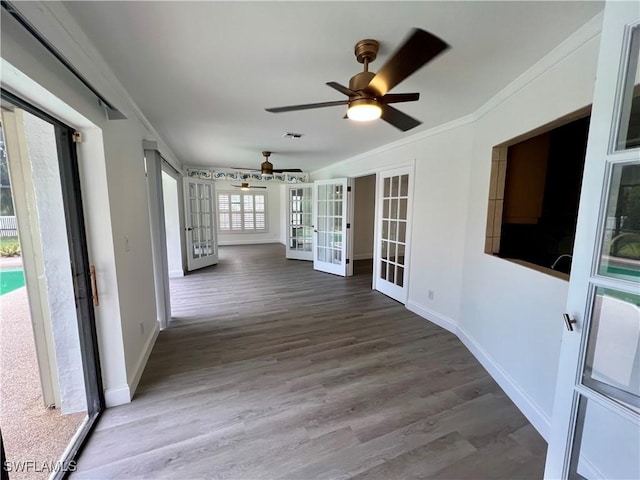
point(364, 216)
point(51, 385)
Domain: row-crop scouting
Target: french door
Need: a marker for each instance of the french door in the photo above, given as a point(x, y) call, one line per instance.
point(596, 419)
point(300, 219)
point(331, 244)
point(391, 252)
point(200, 223)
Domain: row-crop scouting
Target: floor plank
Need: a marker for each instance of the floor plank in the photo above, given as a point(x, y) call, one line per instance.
point(271, 370)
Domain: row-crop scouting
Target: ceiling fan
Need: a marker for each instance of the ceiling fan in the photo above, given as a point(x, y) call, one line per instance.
point(266, 168)
point(246, 186)
point(368, 91)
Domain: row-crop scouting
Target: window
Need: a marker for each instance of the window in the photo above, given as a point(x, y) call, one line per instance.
point(242, 212)
point(534, 195)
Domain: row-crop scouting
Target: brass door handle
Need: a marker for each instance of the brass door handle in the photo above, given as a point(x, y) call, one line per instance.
point(94, 286)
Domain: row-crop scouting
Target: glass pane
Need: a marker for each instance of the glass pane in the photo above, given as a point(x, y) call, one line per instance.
point(403, 209)
point(394, 209)
point(629, 133)
point(400, 257)
point(385, 229)
point(605, 445)
point(391, 276)
point(393, 229)
point(384, 249)
point(400, 276)
point(387, 187)
point(394, 186)
point(402, 232)
point(385, 208)
point(404, 185)
point(621, 243)
point(383, 270)
point(392, 251)
point(612, 364)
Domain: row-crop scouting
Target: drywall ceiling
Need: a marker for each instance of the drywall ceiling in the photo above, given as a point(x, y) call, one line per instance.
point(203, 72)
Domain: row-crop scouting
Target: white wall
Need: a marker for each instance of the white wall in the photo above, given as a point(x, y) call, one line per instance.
point(113, 183)
point(508, 315)
point(364, 216)
point(274, 218)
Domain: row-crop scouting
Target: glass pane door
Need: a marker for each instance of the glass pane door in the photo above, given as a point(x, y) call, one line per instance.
point(393, 211)
point(596, 415)
point(200, 219)
point(300, 218)
point(330, 226)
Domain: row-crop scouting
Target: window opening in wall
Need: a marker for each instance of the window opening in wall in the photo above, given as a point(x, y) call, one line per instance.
point(242, 212)
point(534, 196)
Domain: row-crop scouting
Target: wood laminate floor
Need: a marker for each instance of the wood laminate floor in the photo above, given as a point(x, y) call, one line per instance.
point(271, 370)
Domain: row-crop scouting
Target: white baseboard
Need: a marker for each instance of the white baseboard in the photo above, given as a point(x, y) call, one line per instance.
point(523, 401)
point(225, 243)
point(176, 273)
point(535, 415)
point(136, 375)
point(433, 316)
point(117, 396)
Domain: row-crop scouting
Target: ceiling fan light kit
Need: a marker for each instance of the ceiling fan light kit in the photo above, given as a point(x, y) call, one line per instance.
point(364, 110)
point(368, 92)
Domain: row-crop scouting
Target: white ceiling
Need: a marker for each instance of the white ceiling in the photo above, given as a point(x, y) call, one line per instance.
point(203, 72)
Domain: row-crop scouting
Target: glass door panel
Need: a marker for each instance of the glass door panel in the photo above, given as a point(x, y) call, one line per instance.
point(612, 366)
point(300, 218)
point(201, 227)
point(392, 243)
point(331, 226)
point(605, 444)
point(620, 253)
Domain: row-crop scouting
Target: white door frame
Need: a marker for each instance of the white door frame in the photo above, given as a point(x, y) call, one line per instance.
point(401, 294)
point(600, 158)
point(153, 162)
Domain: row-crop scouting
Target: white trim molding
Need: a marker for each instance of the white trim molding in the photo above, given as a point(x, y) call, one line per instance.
point(540, 420)
point(136, 375)
point(434, 317)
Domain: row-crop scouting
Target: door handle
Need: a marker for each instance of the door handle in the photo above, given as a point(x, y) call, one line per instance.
point(568, 321)
point(188, 229)
point(94, 286)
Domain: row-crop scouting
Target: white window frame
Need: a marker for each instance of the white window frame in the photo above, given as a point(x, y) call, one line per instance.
point(243, 229)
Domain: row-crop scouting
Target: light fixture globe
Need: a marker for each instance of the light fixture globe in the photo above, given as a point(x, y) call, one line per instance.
point(364, 110)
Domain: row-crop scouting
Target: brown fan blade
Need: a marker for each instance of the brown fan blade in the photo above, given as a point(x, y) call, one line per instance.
point(342, 89)
point(400, 120)
point(246, 185)
point(308, 106)
point(418, 49)
point(285, 170)
point(399, 97)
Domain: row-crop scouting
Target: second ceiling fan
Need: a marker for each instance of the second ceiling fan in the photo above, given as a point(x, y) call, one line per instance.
point(368, 91)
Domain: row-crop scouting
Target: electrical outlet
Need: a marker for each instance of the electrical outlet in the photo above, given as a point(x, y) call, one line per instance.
point(431, 294)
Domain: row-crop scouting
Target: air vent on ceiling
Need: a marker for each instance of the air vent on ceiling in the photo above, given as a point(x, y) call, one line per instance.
point(292, 135)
